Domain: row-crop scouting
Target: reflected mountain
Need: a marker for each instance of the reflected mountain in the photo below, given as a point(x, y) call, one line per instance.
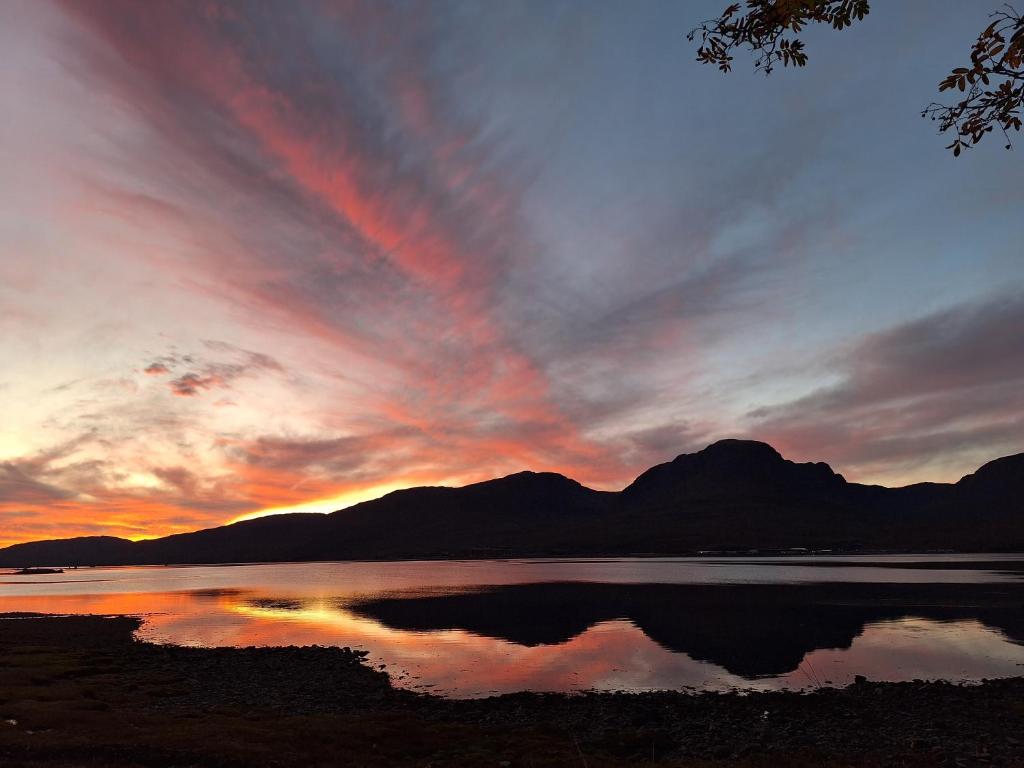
point(750, 630)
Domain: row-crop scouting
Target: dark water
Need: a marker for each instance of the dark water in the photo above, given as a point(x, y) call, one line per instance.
point(472, 628)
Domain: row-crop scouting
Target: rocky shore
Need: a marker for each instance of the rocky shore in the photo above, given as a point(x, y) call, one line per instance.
point(81, 691)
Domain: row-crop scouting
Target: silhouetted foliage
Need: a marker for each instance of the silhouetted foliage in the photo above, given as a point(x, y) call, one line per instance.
point(993, 85)
point(769, 29)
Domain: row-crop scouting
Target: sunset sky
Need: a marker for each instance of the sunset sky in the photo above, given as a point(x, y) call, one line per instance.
point(259, 256)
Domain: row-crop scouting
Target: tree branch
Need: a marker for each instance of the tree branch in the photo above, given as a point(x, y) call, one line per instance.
point(993, 85)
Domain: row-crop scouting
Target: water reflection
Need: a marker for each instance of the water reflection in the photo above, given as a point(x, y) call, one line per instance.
point(472, 629)
point(750, 631)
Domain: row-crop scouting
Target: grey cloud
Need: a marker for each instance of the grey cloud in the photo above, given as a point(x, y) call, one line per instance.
point(180, 478)
point(340, 456)
point(218, 375)
point(648, 446)
point(948, 384)
point(17, 485)
point(35, 479)
point(187, 490)
point(667, 440)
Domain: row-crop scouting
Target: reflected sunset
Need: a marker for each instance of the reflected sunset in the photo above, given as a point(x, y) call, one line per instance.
point(348, 605)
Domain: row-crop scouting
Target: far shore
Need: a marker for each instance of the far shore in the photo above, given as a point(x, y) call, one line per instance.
point(822, 558)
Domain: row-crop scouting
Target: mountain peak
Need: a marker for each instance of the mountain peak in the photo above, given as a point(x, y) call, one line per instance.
point(741, 449)
point(1013, 462)
point(731, 468)
point(541, 485)
point(1006, 471)
point(528, 476)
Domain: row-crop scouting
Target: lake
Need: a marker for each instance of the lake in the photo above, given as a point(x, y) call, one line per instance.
point(476, 628)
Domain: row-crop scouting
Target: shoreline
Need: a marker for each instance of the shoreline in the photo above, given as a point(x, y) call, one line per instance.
point(82, 690)
point(817, 557)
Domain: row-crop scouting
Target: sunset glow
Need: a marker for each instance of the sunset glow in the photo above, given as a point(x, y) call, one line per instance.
point(255, 261)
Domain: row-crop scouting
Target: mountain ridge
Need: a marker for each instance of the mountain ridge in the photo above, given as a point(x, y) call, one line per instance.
point(734, 495)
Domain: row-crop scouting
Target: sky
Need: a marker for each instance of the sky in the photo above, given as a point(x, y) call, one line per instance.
point(272, 256)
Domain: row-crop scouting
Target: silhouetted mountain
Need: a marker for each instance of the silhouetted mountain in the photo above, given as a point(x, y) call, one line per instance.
point(282, 537)
point(734, 495)
point(492, 518)
point(732, 470)
point(85, 550)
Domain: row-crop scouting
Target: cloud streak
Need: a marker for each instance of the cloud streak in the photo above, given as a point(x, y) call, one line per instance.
point(439, 247)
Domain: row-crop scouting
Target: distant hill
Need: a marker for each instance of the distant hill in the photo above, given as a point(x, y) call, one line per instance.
point(85, 550)
point(735, 495)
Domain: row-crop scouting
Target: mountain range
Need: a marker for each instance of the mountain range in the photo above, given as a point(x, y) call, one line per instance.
point(733, 496)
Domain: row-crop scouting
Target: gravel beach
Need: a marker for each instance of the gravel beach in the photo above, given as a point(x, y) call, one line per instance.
point(82, 691)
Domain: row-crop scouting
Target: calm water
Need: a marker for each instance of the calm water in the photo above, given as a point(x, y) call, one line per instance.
point(473, 628)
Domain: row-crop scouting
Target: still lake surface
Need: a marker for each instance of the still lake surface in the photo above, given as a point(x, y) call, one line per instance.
point(476, 628)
